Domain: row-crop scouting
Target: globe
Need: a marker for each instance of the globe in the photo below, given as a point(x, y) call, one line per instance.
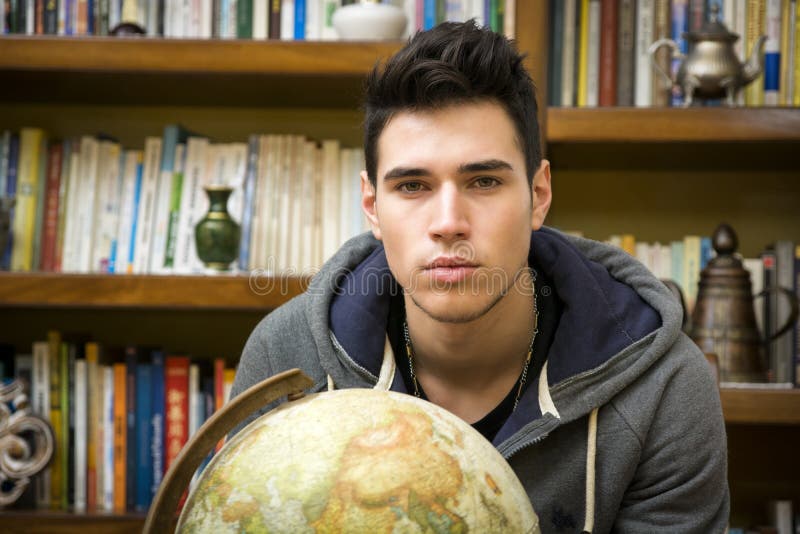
point(358, 460)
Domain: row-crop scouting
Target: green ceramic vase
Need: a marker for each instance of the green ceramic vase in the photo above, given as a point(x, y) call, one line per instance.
point(217, 235)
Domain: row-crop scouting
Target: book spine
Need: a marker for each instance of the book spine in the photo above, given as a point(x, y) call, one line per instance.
point(61, 221)
point(244, 19)
point(68, 424)
point(93, 418)
point(249, 202)
point(626, 52)
point(11, 190)
point(109, 439)
point(147, 206)
point(795, 9)
point(772, 55)
point(286, 21)
point(40, 386)
point(38, 223)
point(55, 350)
point(27, 192)
point(157, 421)
point(754, 92)
point(120, 438)
point(175, 206)
point(300, 20)
point(80, 435)
point(787, 53)
point(176, 383)
point(50, 23)
point(131, 364)
point(609, 15)
point(679, 27)
point(783, 347)
point(137, 197)
point(662, 91)
point(144, 437)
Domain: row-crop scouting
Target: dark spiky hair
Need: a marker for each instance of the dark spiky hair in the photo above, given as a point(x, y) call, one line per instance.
point(453, 63)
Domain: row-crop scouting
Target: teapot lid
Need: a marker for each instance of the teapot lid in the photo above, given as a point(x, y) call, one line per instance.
point(713, 30)
point(726, 263)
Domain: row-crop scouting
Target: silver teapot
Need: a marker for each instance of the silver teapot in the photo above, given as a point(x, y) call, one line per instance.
point(711, 69)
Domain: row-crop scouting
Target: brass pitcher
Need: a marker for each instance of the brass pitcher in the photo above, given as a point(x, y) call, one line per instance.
point(723, 320)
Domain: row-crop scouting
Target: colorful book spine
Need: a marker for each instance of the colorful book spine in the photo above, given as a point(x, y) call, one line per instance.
point(93, 419)
point(249, 202)
point(55, 351)
point(756, 14)
point(772, 53)
point(27, 193)
point(176, 383)
point(131, 363)
point(144, 437)
point(120, 438)
point(157, 420)
point(609, 14)
point(300, 20)
point(40, 387)
point(109, 439)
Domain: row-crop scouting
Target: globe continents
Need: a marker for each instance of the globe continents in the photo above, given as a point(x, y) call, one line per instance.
point(358, 460)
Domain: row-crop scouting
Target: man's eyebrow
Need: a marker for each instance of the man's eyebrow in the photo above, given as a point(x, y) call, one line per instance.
point(405, 172)
point(485, 165)
point(464, 168)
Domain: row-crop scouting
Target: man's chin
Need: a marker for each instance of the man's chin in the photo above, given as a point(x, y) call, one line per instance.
point(456, 309)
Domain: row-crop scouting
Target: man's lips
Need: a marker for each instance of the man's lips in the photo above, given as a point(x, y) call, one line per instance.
point(449, 270)
point(450, 262)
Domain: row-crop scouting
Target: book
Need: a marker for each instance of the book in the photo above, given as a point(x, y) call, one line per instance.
point(176, 385)
point(144, 437)
point(79, 400)
point(50, 224)
point(157, 420)
point(93, 418)
point(146, 216)
point(173, 136)
point(120, 438)
point(32, 142)
point(609, 15)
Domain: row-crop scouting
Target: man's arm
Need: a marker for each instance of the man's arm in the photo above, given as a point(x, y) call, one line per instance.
point(681, 482)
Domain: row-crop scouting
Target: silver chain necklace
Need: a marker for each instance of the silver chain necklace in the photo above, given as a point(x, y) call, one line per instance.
point(523, 377)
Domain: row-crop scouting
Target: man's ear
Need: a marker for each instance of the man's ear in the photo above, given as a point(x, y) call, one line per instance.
point(369, 204)
point(541, 195)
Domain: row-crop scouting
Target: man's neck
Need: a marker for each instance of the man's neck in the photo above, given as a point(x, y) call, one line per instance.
point(468, 368)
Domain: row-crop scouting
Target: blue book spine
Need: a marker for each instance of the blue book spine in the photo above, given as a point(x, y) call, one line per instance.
point(706, 251)
point(156, 447)
point(249, 203)
point(144, 437)
point(679, 26)
point(130, 419)
point(208, 409)
point(136, 196)
point(69, 25)
point(772, 71)
point(4, 146)
point(429, 14)
point(11, 190)
point(300, 20)
point(90, 17)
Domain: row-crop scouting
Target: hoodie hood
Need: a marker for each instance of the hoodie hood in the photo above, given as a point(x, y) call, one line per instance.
point(616, 321)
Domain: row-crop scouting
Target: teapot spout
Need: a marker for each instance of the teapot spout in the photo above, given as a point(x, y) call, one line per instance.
point(755, 63)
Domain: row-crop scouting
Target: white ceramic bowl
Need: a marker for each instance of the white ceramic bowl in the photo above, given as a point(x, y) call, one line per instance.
point(369, 21)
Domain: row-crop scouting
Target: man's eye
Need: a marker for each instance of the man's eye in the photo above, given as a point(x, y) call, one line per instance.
point(486, 182)
point(410, 187)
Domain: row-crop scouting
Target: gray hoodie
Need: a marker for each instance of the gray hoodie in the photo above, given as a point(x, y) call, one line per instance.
point(621, 431)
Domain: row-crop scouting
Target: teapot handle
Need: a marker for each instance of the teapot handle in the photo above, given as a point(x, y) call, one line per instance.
point(676, 54)
point(793, 312)
point(160, 517)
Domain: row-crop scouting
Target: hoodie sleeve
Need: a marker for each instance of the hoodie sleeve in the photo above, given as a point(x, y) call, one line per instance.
point(681, 482)
point(254, 366)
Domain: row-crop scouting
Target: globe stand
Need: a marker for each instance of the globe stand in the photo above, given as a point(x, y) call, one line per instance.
point(290, 383)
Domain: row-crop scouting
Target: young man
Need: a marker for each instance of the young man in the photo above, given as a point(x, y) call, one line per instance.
point(563, 352)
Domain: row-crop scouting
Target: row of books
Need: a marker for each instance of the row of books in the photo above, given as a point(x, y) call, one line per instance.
point(231, 19)
point(777, 266)
point(599, 49)
point(88, 205)
point(120, 418)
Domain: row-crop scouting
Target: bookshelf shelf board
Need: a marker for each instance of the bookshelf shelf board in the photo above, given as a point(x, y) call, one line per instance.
point(756, 406)
point(52, 522)
point(110, 54)
point(656, 125)
point(56, 290)
point(127, 71)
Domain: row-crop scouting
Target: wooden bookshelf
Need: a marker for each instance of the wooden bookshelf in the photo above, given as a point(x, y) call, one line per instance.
point(56, 290)
point(51, 522)
point(107, 70)
point(660, 125)
point(761, 407)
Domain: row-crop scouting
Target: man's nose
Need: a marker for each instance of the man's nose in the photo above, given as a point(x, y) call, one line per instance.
point(450, 222)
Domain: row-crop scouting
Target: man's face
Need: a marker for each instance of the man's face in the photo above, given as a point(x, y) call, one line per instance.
point(453, 207)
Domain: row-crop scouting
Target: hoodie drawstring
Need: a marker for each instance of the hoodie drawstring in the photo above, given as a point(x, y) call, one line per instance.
point(591, 455)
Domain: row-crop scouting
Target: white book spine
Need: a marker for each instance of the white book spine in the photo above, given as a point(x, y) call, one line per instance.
point(645, 26)
point(86, 201)
point(108, 203)
point(69, 262)
point(274, 186)
point(359, 220)
point(191, 203)
point(410, 10)
point(80, 435)
point(147, 202)
point(96, 406)
point(206, 18)
point(344, 197)
point(127, 197)
point(330, 198)
point(161, 221)
point(287, 20)
point(510, 19)
point(317, 259)
point(313, 20)
point(327, 31)
point(235, 172)
point(194, 394)
point(283, 228)
point(260, 18)
point(107, 503)
point(309, 207)
point(297, 181)
point(40, 403)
